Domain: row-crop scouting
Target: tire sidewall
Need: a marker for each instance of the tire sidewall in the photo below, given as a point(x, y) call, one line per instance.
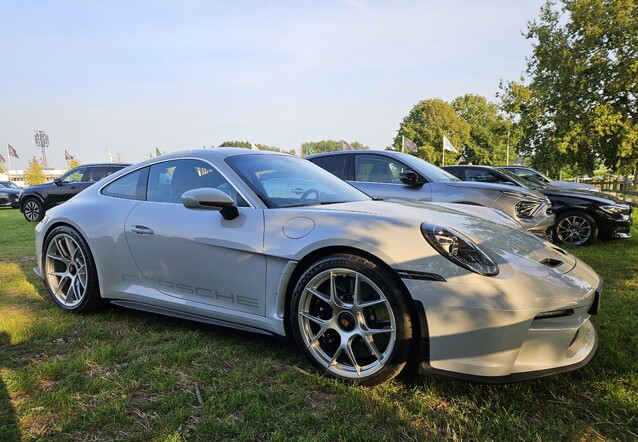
point(40, 205)
point(395, 296)
point(91, 298)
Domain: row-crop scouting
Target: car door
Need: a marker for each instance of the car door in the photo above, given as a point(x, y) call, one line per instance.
point(378, 176)
point(196, 254)
point(67, 186)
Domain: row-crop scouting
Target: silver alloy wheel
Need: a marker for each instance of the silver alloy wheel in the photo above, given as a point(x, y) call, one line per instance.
point(32, 210)
point(65, 270)
point(347, 323)
point(574, 230)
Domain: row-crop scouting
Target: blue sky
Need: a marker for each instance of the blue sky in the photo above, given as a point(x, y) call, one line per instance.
point(133, 75)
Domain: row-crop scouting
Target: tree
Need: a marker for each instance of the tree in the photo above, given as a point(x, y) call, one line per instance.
point(580, 108)
point(489, 130)
point(427, 123)
point(313, 147)
point(73, 163)
point(34, 173)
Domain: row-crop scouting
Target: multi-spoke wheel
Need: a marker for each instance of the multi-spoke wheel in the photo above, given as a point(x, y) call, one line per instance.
point(33, 210)
point(69, 272)
point(351, 319)
point(576, 229)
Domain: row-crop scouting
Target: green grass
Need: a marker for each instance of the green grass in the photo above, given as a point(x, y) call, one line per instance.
point(123, 375)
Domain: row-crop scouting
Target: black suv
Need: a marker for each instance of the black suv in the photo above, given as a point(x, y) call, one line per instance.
point(36, 200)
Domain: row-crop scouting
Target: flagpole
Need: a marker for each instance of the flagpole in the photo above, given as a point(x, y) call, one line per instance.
point(443, 151)
point(9, 160)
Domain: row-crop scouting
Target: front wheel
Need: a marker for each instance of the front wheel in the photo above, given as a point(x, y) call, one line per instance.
point(576, 229)
point(33, 210)
point(351, 319)
point(69, 271)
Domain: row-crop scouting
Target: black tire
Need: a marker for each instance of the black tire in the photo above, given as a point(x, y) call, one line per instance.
point(359, 335)
point(33, 210)
point(575, 228)
point(69, 271)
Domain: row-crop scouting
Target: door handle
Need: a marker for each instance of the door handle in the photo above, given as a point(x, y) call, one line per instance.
point(142, 230)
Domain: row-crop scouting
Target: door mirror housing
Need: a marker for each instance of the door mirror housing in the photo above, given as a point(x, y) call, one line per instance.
point(57, 181)
point(207, 198)
point(411, 179)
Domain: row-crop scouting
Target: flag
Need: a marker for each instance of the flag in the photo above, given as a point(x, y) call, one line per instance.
point(12, 152)
point(346, 146)
point(1, 159)
point(110, 156)
point(409, 145)
point(309, 150)
point(157, 152)
point(447, 145)
point(67, 155)
point(253, 147)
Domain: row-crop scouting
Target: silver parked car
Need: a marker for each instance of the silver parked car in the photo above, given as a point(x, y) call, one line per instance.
point(398, 176)
point(534, 175)
point(273, 244)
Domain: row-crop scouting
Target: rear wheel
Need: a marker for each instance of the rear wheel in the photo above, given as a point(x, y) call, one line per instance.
point(352, 320)
point(69, 271)
point(33, 210)
point(576, 229)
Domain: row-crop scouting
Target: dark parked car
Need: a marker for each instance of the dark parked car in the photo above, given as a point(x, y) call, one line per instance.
point(534, 175)
point(398, 176)
point(581, 216)
point(9, 193)
point(36, 200)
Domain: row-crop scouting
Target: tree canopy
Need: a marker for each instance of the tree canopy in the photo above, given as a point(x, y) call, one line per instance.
point(427, 123)
point(73, 163)
point(579, 107)
point(249, 145)
point(34, 173)
point(313, 147)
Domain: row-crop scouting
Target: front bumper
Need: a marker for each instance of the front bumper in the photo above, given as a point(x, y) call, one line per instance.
point(493, 333)
point(615, 226)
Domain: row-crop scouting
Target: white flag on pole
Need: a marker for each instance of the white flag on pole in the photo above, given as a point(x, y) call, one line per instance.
point(253, 147)
point(447, 145)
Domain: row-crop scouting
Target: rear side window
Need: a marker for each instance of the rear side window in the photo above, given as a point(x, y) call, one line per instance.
point(335, 164)
point(131, 186)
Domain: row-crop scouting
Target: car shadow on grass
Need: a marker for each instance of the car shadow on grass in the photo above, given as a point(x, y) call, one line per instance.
point(9, 429)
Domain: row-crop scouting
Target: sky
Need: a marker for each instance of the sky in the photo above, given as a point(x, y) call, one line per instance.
point(132, 76)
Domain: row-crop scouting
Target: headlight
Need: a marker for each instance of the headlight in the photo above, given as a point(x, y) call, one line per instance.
point(614, 210)
point(458, 249)
point(526, 209)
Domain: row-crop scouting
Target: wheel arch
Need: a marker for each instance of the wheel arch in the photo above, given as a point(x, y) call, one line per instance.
point(28, 196)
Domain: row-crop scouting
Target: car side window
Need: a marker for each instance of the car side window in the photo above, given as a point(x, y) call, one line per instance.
point(167, 181)
point(94, 174)
point(335, 164)
point(75, 176)
point(130, 186)
point(483, 176)
point(378, 169)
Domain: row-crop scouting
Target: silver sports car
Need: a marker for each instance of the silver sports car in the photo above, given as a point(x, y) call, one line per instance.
point(274, 244)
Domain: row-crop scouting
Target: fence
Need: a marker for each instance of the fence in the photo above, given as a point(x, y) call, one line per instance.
point(625, 188)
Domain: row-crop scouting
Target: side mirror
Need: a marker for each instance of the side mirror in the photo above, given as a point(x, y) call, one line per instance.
point(207, 198)
point(410, 178)
point(57, 181)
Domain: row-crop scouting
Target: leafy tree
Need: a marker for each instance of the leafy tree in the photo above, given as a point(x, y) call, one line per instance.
point(427, 123)
point(73, 163)
point(34, 173)
point(2, 168)
point(489, 130)
point(580, 106)
point(313, 147)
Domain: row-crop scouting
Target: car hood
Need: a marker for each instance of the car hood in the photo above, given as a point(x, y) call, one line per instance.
point(532, 194)
point(10, 191)
point(501, 238)
point(599, 197)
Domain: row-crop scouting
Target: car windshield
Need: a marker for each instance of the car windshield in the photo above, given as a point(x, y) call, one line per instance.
point(284, 181)
point(428, 170)
point(529, 183)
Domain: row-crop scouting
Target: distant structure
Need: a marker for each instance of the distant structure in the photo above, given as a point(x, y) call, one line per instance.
point(42, 141)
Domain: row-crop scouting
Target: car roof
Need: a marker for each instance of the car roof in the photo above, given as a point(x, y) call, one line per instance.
point(390, 153)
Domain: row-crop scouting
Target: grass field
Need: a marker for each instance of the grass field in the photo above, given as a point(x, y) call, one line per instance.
point(123, 375)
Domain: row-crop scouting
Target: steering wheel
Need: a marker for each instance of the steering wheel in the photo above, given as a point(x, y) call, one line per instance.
point(309, 192)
